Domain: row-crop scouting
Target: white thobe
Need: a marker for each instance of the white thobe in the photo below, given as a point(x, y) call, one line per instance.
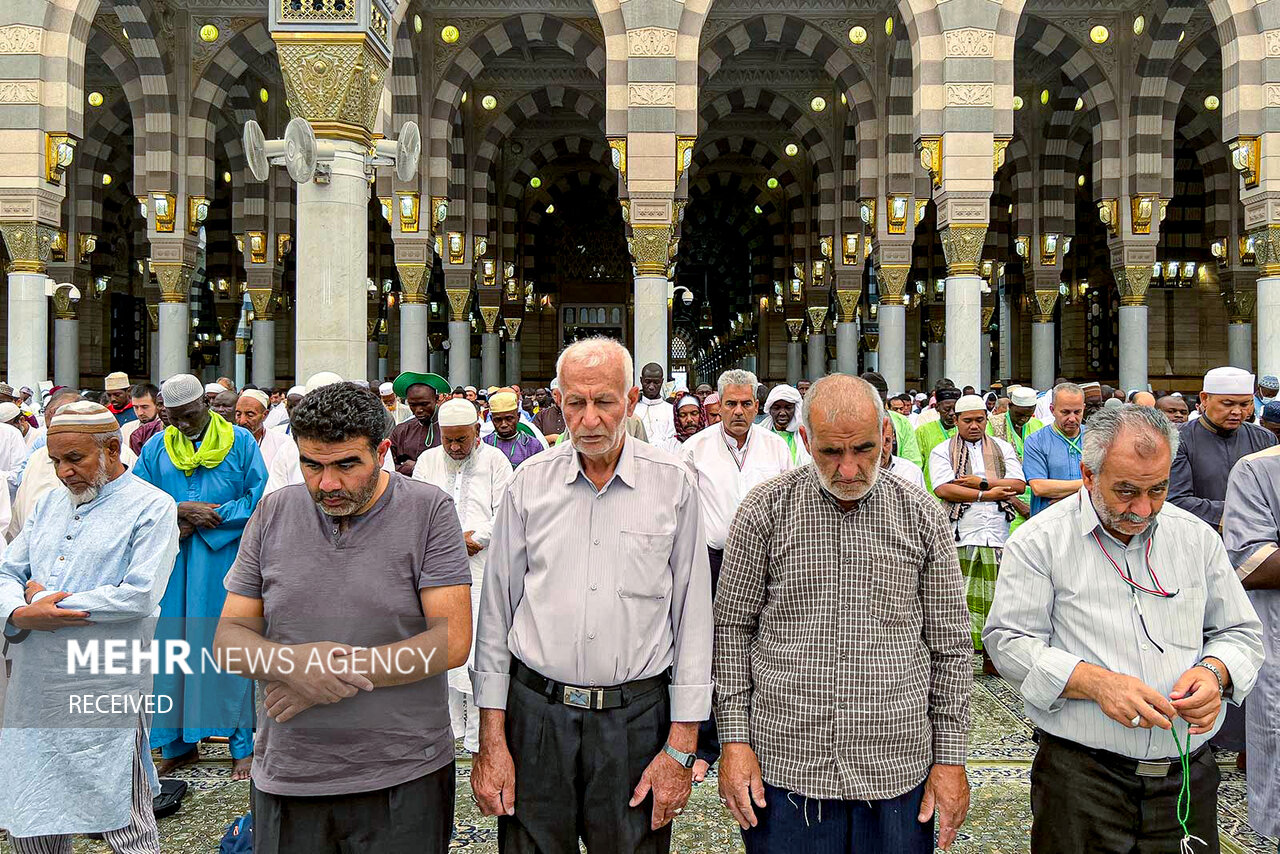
point(270, 444)
point(722, 481)
point(659, 419)
point(907, 470)
point(983, 524)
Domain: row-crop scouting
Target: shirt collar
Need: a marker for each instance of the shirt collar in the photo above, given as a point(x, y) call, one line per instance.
point(109, 488)
point(625, 470)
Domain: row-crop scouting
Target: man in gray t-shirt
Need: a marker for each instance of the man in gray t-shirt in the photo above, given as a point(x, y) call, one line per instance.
point(349, 601)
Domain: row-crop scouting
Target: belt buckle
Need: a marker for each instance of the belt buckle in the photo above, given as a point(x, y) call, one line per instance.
point(583, 698)
point(1154, 769)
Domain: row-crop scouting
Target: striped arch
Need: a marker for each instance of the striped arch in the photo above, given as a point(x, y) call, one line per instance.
point(406, 102)
point(1244, 64)
point(1103, 112)
point(159, 101)
point(1147, 110)
point(241, 51)
point(1202, 131)
point(1056, 187)
point(798, 34)
point(789, 116)
point(1079, 145)
point(901, 166)
point(248, 195)
point(67, 25)
point(514, 32)
point(923, 24)
point(603, 180)
point(105, 149)
point(1183, 69)
point(713, 147)
point(592, 150)
point(531, 104)
point(1022, 179)
point(126, 72)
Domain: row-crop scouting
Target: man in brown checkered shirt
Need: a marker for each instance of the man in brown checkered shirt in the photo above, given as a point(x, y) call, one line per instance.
point(842, 659)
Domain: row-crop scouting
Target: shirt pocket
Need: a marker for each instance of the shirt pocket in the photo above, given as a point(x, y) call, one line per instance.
point(1179, 620)
point(894, 599)
point(644, 564)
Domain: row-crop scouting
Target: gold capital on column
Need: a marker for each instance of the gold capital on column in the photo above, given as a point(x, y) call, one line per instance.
point(962, 245)
point(988, 312)
point(227, 326)
point(847, 300)
point(1240, 305)
point(413, 281)
point(817, 314)
point(459, 302)
point(63, 307)
point(513, 327)
point(175, 281)
point(263, 303)
point(334, 80)
point(153, 312)
point(937, 332)
point(872, 340)
point(371, 325)
point(30, 246)
point(489, 313)
point(893, 283)
point(794, 325)
point(1266, 248)
point(649, 246)
point(242, 346)
point(1043, 303)
point(1132, 281)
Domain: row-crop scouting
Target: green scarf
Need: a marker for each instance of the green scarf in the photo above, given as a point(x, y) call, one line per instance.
point(219, 437)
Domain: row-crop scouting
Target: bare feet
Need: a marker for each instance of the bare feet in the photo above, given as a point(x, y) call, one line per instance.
point(240, 768)
point(168, 766)
point(700, 769)
point(988, 666)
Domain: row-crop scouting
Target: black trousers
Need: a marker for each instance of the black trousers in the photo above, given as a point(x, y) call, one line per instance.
point(708, 736)
point(412, 818)
point(576, 770)
point(1083, 804)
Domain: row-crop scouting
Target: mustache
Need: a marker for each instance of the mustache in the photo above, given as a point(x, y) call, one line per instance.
point(1134, 518)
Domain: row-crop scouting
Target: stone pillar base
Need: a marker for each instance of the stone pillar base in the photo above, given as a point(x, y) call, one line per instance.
point(1043, 356)
point(1240, 345)
point(66, 352)
point(817, 356)
point(175, 333)
point(459, 353)
point(962, 362)
point(1133, 348)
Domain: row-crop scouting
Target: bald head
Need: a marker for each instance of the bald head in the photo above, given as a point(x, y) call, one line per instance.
point(1144, 398)
point(58, 401)
point(600, 356)
point(839, 396)
point(844, 430)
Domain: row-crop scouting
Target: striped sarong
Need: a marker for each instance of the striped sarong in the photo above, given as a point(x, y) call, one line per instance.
point(979, 565)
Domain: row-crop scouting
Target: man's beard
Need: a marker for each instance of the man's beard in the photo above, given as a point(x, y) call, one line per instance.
point(355, 499)
point(90, 492)
point(1112, 520)
point(453, 466)
point(616, 439)
point(844, 490)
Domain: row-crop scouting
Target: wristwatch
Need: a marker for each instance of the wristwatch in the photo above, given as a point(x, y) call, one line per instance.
point(984, 486)
point(1213, 668)
point(685, 759)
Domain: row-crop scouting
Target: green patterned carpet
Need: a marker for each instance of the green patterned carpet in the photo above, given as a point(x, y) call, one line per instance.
point(1000, 759)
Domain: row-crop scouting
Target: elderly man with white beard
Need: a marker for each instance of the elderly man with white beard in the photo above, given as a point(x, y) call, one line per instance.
point(90, 566)
point(476, 475)
point(838, 580)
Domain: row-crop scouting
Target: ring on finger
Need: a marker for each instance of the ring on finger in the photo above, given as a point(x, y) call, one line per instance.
point(1135, 721)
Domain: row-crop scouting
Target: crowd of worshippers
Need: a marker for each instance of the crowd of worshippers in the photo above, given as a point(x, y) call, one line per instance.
point(789, 585)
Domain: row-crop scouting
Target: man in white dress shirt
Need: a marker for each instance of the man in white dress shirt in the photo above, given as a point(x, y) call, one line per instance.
point(476, 475)
point(1121, 622)
point(658, 416)
point(976, 476)
point(727, 460)
point(251, 413)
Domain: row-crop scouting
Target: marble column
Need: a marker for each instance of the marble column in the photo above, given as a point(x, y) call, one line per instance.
point(847, 347)
point(891, 279)
point(817, 356)
point(242, 362)
point(153, 342)
point(1043, 339)
point(333, 257)
point(848, 291)
point(651, 322)
point(1006, 333)
point(437, 362)
point(513, 363)
point(490, 360)
point(175, 319)
point(1269, 324)
point(1133, 281)
point(371, 351)
point(29, 246)
point(458, 287)
point(962, 246)
point(227, 357)
point(1240, 345)
point(66, 349)
point(795, 350)
point(935, 363)
point(414, 315)
point(264, 351)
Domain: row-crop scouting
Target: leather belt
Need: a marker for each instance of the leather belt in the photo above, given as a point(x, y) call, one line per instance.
point(1136, 767)
point(593, 699)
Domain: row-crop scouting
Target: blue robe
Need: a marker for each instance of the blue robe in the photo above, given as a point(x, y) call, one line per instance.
point(204, 703)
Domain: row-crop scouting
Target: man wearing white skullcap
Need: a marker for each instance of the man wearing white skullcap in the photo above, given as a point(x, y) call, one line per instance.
point(92, 564)
point(476, 475)
point(400, 413)
point(215, 472)
point(278, 419)
point(1209, 446)
point(250, 413)
point(13, 446)
point(1015, 425)
point(977, 477)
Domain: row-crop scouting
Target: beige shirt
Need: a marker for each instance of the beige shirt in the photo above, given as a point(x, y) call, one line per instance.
point(619, 592)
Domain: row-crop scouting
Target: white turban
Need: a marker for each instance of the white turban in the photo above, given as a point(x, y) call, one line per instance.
point(457, 412)
point(970, 403)
point(214, 388)
point(1228, 381)
point(260, 397)
point(386, 389)
point(1023, 396)
point(182, 389)
point(687, 400)
point(786, 394)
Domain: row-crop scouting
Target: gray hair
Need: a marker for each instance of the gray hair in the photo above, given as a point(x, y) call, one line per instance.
point(729, 378)
point(1106, 425)
point(1067, 388)
point(843, 389)
point(596, 352)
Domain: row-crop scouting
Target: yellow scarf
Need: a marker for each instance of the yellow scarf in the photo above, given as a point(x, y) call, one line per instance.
point(219, 437)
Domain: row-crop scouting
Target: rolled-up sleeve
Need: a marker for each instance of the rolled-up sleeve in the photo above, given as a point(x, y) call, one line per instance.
point(691, 618)
point(501, 593)
point(1020, 625)
point(1232, 630)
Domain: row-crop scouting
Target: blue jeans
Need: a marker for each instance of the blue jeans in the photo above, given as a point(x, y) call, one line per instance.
point(794, 824)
